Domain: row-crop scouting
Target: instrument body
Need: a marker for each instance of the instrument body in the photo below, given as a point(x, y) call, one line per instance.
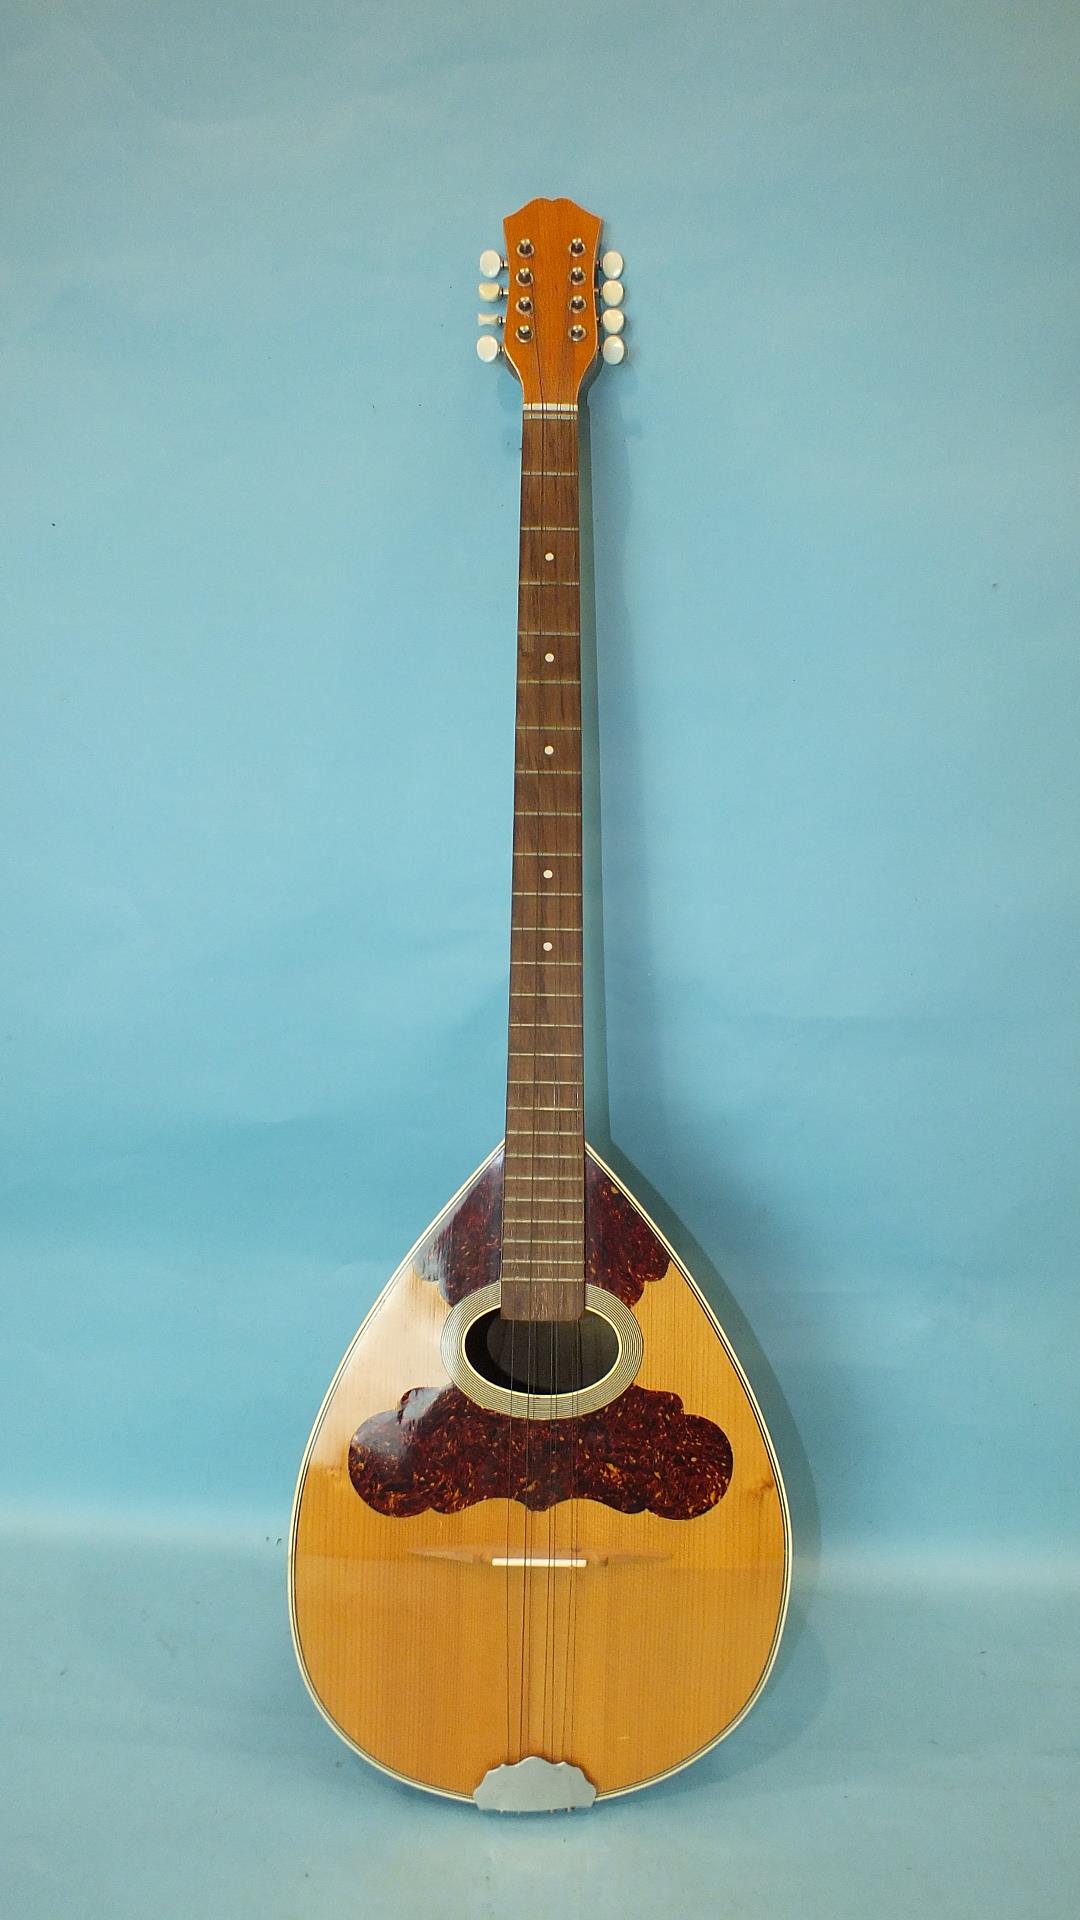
point(540, 1549)
point(437, 1664)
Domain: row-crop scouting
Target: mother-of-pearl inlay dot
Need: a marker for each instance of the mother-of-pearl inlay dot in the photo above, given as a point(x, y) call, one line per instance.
point(549, 657)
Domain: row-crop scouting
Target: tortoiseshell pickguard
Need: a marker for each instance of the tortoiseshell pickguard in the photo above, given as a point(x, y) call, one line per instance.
point(622, 1253)
point(438, 1450)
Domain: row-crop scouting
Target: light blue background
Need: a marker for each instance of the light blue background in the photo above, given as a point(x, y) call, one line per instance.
point(258, 561)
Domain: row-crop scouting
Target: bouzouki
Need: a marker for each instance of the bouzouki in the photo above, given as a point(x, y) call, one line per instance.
point(540, 1550)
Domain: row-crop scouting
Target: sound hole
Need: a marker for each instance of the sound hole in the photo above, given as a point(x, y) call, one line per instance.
point(542, 1356)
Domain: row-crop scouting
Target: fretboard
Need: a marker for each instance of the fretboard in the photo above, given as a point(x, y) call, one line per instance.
point(543, 1275)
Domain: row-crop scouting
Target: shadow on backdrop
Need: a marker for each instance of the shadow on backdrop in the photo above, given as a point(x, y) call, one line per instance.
point(795, 1466)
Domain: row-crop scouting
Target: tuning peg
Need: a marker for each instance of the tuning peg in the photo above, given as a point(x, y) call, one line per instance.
point(491, 263)
point(491, 290)
point(613, 319)
point(613, 350)
point(612, 265)
point(488, 347)
point(612, 293)
point(490, 320)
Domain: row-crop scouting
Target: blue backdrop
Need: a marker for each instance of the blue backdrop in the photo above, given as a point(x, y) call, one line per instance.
point(259, 552)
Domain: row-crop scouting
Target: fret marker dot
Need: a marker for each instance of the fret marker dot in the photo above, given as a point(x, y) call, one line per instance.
point(549, 657)
point(547, 946)
point(547, 873)
point(549, 556)
point(549, 749)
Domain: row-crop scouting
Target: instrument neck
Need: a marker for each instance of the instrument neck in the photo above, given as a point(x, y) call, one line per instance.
point(543, 1258)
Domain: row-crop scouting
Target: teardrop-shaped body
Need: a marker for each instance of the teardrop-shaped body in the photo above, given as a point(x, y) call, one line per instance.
point(606, 1589)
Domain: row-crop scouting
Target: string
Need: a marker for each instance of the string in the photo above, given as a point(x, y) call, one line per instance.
point(530, 1337)
point(544, 813)
point(570, 1672)
point(536, 519)
point(551, 1231)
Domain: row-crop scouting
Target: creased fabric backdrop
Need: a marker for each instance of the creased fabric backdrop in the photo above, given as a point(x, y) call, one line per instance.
point(257, 589)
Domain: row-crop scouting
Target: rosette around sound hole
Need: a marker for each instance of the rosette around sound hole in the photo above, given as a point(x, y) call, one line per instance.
point(542, 1356)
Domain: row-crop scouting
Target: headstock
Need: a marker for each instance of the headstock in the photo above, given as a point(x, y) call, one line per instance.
point(560, 312)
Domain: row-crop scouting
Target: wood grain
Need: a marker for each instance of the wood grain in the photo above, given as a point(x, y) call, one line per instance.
point(543, 1266)
point(437, 1665)
point(550, 338)
point(551, 335)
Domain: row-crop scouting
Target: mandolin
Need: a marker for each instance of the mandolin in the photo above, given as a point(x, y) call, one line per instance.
point(540, 1550)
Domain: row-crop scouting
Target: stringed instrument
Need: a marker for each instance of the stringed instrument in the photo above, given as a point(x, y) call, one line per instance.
point(540, 1549)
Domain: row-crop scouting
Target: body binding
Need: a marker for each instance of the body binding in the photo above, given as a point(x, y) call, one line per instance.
point(657, 1534)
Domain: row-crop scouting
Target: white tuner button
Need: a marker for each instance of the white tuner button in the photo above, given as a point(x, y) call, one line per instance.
point(491, 290)
point(488, 347)
point(613, 349)
point(489, 320)
point(613, 319)
point(612, 266)
point(612, 292)
point(491, 263)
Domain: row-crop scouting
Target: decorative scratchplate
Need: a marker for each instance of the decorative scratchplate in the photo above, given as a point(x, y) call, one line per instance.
point(438, 1452)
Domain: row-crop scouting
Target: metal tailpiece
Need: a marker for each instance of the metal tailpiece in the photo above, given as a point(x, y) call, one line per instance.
point(534, 1785)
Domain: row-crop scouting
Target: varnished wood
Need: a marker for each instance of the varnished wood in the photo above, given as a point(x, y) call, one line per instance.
point(543, 1265)
point(437, 1665)
point(445, 1628)
point(551, 248)
point(548, 242)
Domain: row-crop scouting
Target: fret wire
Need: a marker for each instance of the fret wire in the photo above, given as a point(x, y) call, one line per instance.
point(564, 1259)
point(553, 1133)
point(574, 1199)
point(547, 1199)
point(544, 1142)
point(565, 1241)
point(521, 1201)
